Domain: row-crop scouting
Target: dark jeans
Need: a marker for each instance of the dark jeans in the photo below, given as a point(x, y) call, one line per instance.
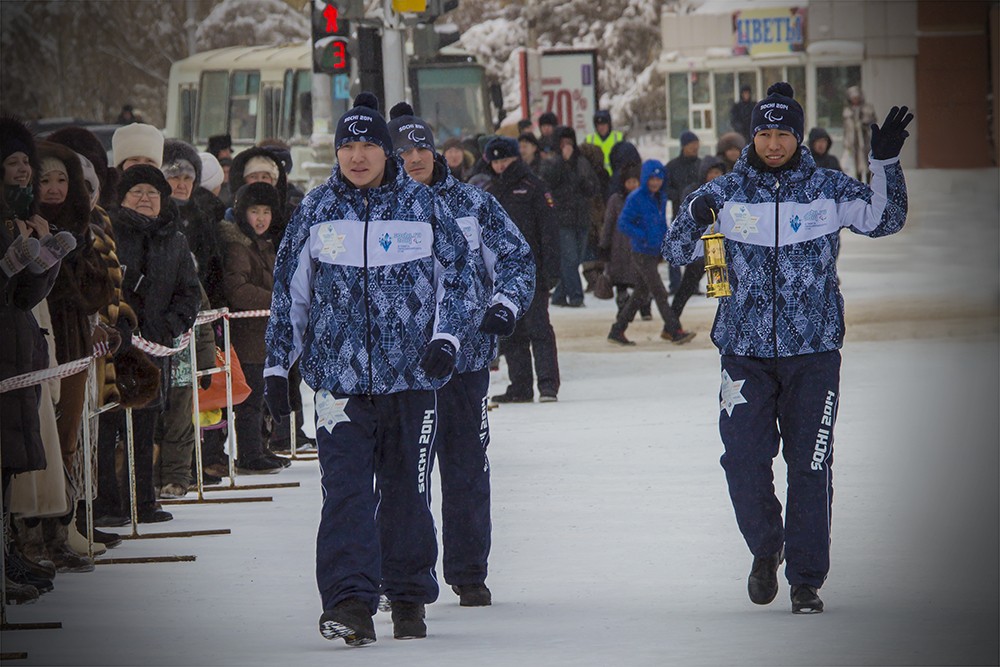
point(249, 416)
point(111, 498)
point(572, 245)
point(689, 285)
point(533, 336)
point(649, 284)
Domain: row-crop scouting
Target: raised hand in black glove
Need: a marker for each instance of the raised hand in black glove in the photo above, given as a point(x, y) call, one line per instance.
point(438, 359)
point(704, 210)
point(276, 397)
point(498, 321)
point(888, 140)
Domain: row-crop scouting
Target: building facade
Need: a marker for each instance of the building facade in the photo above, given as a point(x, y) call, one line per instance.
point(939, 58)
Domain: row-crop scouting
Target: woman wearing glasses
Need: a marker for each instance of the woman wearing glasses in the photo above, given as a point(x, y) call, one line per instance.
point(161, 284)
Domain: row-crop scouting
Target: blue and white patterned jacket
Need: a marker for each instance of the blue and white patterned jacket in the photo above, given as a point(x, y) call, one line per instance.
point(363, 280)
point(782, 240)
point(500, 258)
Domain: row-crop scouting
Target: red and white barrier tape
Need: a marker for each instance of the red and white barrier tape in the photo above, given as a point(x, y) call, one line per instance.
point(155, 349)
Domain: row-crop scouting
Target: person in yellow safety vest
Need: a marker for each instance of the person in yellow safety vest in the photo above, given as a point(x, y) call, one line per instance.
point(604, 138)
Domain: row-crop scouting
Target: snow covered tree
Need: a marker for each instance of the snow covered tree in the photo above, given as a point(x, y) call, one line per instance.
point(252, 22)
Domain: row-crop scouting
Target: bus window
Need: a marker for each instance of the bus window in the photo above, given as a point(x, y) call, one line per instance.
point(213, 104)
point(270, 127)
point(296, 109)
point(243, 97)
point(303, 103)
point(188, 103)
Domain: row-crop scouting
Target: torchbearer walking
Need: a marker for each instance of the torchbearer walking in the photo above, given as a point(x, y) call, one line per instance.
point(781, 331)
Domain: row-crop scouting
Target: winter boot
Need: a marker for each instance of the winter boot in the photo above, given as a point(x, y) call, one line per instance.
point(20, 571)
point(78, 542)
point(408, 620)
point(32, 548)
point(805, 600)
point(473, 595)
point(15, 593)
point(678, 337)
point(56, 535)
point(351, 621)
point(762, 584)
point(617, 336)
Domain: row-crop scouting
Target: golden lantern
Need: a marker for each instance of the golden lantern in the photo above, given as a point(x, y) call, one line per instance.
point(715, 263)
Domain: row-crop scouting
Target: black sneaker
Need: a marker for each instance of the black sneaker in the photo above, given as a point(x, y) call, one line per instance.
point(153, 515)
point(617, 336)
point(473, 595)
point(512, 398)
point(805, 600)
point(762, 584)
point(351, 621)
point(111, 520)
point(408, 620)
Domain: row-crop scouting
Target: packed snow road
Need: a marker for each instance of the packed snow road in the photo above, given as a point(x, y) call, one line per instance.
point(614, 541)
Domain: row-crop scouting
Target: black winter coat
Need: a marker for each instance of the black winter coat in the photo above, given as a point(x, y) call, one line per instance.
point(528, 203)
point(159, 281)
point(202, 233)
point(572, 183)
point(682, 171)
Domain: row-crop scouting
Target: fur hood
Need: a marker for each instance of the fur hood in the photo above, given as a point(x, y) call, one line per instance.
point(74, 213)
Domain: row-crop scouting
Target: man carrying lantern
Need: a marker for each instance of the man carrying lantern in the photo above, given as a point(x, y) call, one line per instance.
point(781, 330)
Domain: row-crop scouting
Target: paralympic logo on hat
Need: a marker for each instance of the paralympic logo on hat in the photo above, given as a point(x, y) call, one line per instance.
point(353, 127)
point(414, 137)
point(771, 118)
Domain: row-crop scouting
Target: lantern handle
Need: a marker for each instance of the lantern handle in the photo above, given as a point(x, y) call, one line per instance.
point(711, 228)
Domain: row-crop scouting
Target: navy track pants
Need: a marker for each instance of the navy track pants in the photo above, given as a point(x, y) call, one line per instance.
point(792, 400)
point(465, 476)
point(381, 535)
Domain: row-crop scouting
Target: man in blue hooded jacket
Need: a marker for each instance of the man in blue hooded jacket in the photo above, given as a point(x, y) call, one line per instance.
point(371, 277)
point(644, 220)
point(504, 273)
point(781, 331)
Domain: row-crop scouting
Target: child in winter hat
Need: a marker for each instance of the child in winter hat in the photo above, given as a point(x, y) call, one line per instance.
point(409, 131)
point(137, 140)
point(363, 123)
point(778, 111)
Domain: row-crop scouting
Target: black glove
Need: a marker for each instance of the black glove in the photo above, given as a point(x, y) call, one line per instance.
point(276, 397)
point(888, 140)
point(205, 381)
point(438, 359)
point(498, 320)
point(703, 210)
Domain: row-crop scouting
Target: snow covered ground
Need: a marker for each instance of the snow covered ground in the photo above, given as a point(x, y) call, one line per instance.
point(614, 538)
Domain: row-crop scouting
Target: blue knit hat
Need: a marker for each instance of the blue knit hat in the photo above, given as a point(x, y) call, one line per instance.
point(778, 111)
point(363, 123)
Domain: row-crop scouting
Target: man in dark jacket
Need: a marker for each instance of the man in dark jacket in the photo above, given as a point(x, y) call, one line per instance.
point(682, 172)
point(739, 115)
point(572, 182)
point(529, 204)
point(820, 144)
point(781, 331)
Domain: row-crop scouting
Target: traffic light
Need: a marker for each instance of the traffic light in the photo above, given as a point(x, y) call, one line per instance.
point(330, 37)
